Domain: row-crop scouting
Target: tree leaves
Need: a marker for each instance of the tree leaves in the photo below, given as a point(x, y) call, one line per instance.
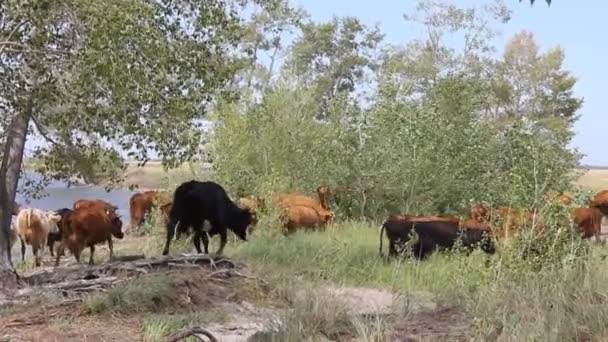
point(135, 74)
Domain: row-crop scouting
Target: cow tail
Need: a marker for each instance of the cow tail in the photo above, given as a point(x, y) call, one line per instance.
point(381, 233)
point(28, 215)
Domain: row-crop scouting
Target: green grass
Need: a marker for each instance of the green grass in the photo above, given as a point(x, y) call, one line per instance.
point(565, 299)
point(347, 254)
point(157, 326)
point(145, 294)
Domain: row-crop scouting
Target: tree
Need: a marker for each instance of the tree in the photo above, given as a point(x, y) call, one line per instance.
point(88, 76)
point(265, 31)
point(526, 83)
point(334, 57)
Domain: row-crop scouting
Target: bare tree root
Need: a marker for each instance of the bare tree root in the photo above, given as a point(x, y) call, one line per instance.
point(195, 332)
point(82, 279)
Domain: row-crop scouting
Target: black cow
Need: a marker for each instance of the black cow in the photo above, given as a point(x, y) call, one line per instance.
point(432, 235)
point(193, 203)
point(54, 237)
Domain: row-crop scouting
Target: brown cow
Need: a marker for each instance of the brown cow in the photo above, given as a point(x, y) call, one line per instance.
point(141, 204)
point(286, 201)
point(600, 201)
point(324, 193)
point(561, 198)
point(588, 221)
point(85, 203)
point(87, 227)
point(480, 212)
point(33, 227)
point(165, 209)
point(510, 221)
point(297, 216)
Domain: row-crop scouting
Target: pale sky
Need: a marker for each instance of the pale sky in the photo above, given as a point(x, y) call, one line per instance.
point(579, 27)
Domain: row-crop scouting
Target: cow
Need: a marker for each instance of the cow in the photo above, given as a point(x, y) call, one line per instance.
point(296, 216)
point(33, 227)
point(85, 203)
point(285, 201)
point(588, 221)
point(480, 212)
point(141, 204)
point(432, 235)
point(324, 193)
point(600, 201)
point(86, 227)
point(165, 210)
point(194, 202)
point(55, 237)
point(253, 205)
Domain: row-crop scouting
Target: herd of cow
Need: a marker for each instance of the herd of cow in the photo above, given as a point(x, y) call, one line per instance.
point(91, 222)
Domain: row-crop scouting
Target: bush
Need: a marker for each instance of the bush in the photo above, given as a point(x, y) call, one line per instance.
point(432, 156)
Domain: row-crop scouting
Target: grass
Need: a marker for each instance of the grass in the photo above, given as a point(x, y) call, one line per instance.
point(157, 326)
point(347, 254)
point(595, 179)
point(145, 294)
point(562, 301)
point(317, 316)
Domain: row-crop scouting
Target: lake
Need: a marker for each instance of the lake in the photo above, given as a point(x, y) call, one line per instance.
point(58, 195)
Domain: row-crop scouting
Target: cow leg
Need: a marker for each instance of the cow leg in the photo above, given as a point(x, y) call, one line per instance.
point(205, 238)
point(392, 249)
point(77, 255)
point(59, 253)
point(223, 241)
point(92, 248)
point(36, 256)
point(170, 234)
point(51, 243)
point(111, 247)
point(22, 249)
point(196, 240)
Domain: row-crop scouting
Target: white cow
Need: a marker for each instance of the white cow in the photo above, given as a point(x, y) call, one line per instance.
point(33, 227)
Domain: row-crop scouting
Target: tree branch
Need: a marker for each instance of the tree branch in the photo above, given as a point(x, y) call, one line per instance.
point(10, 35)
point(195, 331)
point(4, 44)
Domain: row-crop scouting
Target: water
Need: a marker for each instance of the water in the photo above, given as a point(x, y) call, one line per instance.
point(58, 196)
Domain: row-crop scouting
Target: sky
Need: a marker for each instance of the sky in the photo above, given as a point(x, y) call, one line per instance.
point(579, 27)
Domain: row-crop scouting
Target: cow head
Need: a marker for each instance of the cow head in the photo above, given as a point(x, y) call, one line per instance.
point(116, 223)
point(53, 220)
point(241, 221)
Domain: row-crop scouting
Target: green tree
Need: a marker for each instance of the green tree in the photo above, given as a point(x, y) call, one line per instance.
point(526, 83)
point(334, 57)
point(265, 31)
point(88, 76)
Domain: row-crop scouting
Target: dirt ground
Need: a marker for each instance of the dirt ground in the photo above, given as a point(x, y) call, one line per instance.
point(412, 318)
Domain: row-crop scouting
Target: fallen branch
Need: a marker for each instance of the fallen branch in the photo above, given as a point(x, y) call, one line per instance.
point(196, 331)
point(126, 268)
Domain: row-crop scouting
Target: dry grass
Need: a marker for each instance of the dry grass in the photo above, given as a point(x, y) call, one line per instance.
point(596, 179)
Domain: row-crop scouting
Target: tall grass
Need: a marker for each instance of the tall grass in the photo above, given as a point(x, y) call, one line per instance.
point(506, 295)
point(348, 254)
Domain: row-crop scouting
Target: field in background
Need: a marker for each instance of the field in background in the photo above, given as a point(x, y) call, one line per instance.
point(153, 176)
point(337, 286)
point(594, 179)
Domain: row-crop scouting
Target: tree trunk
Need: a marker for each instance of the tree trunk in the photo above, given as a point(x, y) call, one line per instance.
point(9, 178)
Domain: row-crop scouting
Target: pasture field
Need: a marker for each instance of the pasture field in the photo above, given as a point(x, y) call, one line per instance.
point(333, 285)
point(594, 179)
point(330, 285)
point(153, 176)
